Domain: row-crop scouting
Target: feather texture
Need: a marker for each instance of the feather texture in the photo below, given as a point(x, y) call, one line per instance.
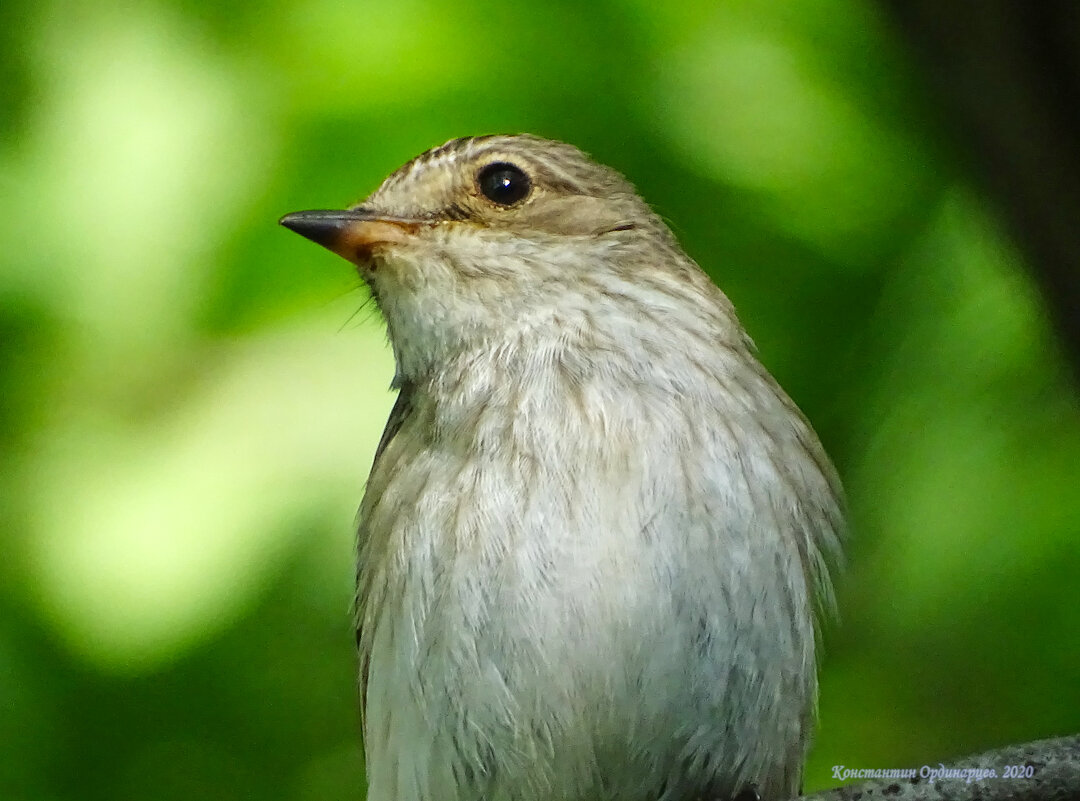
point(596, 529)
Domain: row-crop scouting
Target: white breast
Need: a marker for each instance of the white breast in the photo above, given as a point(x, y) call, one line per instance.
point(583, 598)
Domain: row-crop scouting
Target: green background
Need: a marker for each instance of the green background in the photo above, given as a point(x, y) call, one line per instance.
point(190, 396)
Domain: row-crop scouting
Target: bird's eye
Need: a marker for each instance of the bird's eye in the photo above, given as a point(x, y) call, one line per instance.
point(503, 183)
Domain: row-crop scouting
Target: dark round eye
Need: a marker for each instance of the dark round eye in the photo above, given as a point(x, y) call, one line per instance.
point(503, 183)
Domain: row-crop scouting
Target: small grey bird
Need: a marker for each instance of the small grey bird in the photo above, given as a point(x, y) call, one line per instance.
point(597, 533)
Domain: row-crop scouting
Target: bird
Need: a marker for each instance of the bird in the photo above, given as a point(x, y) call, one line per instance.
point(597, 543)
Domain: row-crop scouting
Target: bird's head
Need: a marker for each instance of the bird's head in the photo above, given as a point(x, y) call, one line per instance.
point(491, 239)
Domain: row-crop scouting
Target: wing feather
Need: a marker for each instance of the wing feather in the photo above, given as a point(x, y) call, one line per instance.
point(403, 407)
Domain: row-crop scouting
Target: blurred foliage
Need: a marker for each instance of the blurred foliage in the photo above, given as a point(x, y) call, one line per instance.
point(190, 396)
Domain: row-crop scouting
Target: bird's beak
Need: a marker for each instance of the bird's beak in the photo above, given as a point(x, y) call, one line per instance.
point(353, 234)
